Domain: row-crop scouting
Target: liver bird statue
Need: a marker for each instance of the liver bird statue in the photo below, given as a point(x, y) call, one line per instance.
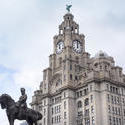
point(68, 7)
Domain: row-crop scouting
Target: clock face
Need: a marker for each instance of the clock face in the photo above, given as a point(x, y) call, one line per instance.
point(77, 46)
point(59, 47)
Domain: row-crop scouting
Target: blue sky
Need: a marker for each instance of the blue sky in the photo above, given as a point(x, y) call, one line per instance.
point(27, 28)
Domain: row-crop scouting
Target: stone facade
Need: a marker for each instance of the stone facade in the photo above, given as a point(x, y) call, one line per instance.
point(77, 89)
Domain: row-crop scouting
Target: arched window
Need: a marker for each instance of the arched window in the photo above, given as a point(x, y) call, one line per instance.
point(86, 102)
point(79, 104)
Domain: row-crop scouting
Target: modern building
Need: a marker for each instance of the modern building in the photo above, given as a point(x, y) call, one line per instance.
point(78, 89)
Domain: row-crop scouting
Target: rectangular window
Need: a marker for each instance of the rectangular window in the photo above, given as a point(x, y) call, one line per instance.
point(52, 120)
point(110, 120)
point(112, 99)
point(52, 111)
point(70, 76)
point(44, 121)
point(120, 122)
point(64, 104)
point(93, 121)
point(90, 87)
point(80, 93)
point(91, 98)
point(64, 123)
point(70, 66)
point(65, 115)
point(109, 109)
point(112, 110)
point(44, 111)
point(92, 109)
point(108, 97)
point(87, 121)
point(114, 121)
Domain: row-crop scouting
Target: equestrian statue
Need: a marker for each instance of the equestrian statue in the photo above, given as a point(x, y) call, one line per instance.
point(19, 110)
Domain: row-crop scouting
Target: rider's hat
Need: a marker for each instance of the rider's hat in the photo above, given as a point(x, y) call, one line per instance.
point(22, 89)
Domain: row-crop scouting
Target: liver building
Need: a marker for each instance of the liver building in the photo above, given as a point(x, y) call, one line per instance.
point(78, 89)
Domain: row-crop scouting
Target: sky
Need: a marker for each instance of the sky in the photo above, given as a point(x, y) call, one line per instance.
point(27, 28)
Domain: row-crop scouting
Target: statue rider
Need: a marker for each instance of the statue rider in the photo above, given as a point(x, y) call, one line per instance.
point(22, 100)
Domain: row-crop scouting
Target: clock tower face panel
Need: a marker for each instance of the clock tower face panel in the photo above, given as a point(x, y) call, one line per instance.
point(59, 47)
point(77, 46)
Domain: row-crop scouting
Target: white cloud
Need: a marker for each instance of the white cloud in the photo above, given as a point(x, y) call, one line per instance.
point(28, 78)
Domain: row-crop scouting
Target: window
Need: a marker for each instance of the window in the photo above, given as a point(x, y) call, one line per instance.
point(65, 115)
point(77, 94)
point(124, 112)
point(79, 104)
point(52, 120)
point(120, 122)
point(40, 108)
point(91, 97)
point(115, 99)
point(64, 67)
point(111, 88)
point(85, 91)
point(52, 111)
point(44, 121)
point(70, 66)
point(64, 123)
point(80, 93)
point(87, 121)
point(64, 94)
point(119, 111)
point(76, 78)
point(107, 86)
point(86, 102)
point(92, 109)
point(70, 76)
point(87, 112)
point(118, 100)
point(64, 77)
point(64, 104)
point(109, 109)
point(113, 120)
point(110, 120)
point(108, 97)
point(93, 121)
point(44, 111)
point(116, 121)
point(112, 110)
point(90, 87)
point(112, 99)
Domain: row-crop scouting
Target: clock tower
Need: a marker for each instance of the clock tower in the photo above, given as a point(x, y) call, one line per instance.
point(69, 53)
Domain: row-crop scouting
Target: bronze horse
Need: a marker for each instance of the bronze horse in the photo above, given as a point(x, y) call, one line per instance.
point(13, 112)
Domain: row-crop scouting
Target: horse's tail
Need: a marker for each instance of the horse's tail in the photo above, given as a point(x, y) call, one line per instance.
point(39, 116)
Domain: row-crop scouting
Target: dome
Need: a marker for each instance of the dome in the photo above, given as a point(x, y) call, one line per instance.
point(101, 54)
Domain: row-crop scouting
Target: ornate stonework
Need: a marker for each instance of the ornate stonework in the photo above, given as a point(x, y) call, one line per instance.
point(78, 89)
